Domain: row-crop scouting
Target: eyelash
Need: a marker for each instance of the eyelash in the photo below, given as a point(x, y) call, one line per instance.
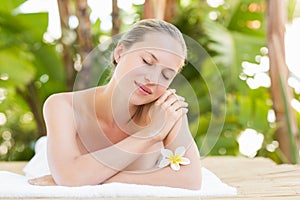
point(165, 77)
point(147, 63)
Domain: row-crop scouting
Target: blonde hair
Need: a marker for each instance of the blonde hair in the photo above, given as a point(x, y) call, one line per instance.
point(141, 28)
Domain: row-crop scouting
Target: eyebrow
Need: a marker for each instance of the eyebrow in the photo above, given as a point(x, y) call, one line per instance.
point(155, 58)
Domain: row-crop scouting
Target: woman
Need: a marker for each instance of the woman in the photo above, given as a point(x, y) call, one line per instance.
point(117, 132)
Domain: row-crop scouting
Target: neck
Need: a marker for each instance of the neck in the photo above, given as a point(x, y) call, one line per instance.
point(112, 105)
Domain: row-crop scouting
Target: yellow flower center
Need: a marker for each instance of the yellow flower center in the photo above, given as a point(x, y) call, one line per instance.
point(175, 159)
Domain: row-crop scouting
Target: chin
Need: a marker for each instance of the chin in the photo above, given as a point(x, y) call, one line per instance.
point(138, 101)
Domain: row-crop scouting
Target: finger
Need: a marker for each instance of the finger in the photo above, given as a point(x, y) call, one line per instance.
point(179, 104)
point(183, 111)
point(176, 109)
point(180, 98)
point(175, 98)
point(36, 182)
point(32, 181)
point(164, 96)
point(176, 115)
point(44, 180)
point(172, 99)
point(169, 101)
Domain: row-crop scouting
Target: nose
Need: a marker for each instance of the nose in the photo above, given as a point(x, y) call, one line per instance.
point(152, 76)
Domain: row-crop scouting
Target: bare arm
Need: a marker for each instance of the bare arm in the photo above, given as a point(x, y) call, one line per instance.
point(188, 176)
point(67, 165)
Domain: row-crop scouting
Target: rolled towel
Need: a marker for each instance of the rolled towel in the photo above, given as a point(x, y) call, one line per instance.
point(38, 165)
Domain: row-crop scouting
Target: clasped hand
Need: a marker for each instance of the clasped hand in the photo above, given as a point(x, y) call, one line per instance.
point(164, 113)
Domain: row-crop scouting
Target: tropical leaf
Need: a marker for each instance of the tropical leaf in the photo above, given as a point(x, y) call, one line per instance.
point(17, 66)
point(24, 59)
point(231, 49)
point(8, 6)
point(291, 9)
point(248, 17)
point(22, 29)
point(35, 25)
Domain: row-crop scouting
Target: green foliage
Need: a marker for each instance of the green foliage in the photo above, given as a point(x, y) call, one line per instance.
point(31, 70)
point(24, 59)
point(236, 35)
point(291, 9)
point(19, 131)
point(17, 65)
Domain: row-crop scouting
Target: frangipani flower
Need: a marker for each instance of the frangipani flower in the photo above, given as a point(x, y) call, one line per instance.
point(173, 159)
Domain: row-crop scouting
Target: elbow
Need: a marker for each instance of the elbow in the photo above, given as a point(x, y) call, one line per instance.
point(65, 180)
point(74, 178)
point(69, 181)
point(190, 182)
point(195, 185)
point(72, 175)
point(194, 182)
point(63, 175)
point(68, 178)
point(193, 177)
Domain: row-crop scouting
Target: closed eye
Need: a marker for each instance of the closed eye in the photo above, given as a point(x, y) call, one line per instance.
point(168, 73)
point(146, 62)
point(165, 77)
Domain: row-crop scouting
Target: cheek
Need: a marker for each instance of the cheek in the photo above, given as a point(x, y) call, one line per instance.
point(160, 90)
point(131, 70)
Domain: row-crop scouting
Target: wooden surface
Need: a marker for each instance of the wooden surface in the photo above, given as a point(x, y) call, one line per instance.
point(258, 178)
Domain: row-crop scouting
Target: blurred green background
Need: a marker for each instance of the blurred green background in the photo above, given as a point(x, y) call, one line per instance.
point(40, 55)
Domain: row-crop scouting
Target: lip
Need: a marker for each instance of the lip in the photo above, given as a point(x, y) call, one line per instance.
point(143, 88)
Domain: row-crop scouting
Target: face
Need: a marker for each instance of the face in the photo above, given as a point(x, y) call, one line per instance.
point(147, 68)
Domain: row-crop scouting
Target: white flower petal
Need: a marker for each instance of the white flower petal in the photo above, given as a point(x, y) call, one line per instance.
point(175, 166)
point(166, 152)
point(163, 163)
point(180, 151)
point(185, 161)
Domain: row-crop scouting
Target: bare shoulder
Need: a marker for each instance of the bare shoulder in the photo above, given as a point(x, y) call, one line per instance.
point(58, 100)
point(58, 112)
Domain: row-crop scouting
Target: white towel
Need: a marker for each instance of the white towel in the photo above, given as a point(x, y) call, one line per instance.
point(16, 186)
